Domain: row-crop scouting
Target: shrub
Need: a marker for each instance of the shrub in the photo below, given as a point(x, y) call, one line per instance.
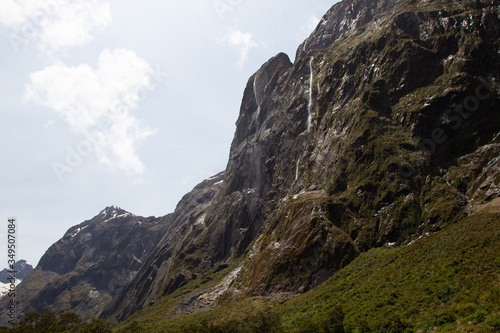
point(335, 320)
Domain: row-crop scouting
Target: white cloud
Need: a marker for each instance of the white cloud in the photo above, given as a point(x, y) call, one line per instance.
point(243, 42)
point(14, 13)
point(98, 103)
point(49, 124)
point(55, 23)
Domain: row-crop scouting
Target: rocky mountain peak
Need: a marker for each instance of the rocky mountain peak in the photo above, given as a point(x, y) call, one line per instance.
point(111, 212)
point(255, 105)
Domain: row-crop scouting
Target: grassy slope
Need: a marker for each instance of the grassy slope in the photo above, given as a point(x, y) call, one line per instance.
point(446, 282)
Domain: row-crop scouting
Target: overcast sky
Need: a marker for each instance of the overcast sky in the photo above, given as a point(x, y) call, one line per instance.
point(121, 102)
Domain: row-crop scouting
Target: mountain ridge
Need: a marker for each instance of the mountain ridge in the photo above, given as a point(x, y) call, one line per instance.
point(89, 264)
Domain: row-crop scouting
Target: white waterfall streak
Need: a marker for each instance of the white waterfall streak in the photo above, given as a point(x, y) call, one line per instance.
point(257, 113)
point(297, 170)
point(310, 106)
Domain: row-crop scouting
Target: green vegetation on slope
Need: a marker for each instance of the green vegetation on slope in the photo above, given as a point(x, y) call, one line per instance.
point(448, 281)
point(49, 322)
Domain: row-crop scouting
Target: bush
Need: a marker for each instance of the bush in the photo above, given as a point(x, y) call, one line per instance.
point(258, 323)
point(335, 321)
point(308, 326)
point(97, 326)
point(49, 322)
point(364, 327)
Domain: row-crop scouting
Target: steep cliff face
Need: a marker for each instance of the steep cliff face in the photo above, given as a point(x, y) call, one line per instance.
point(362, 142)
point(384, 130)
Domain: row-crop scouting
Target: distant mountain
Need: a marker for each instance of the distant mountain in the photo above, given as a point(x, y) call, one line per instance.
point(384, 131)
point(94, 260)
point(22, 269)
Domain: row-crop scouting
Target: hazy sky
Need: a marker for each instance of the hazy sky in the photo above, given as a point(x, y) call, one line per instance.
point(121, 102)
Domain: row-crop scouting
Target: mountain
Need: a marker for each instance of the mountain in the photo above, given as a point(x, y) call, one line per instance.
point(86, 268)
point(22, 269)
point(381, 134)
point(355, 145)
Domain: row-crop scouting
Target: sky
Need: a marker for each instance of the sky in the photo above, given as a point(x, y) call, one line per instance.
point(127, 103)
